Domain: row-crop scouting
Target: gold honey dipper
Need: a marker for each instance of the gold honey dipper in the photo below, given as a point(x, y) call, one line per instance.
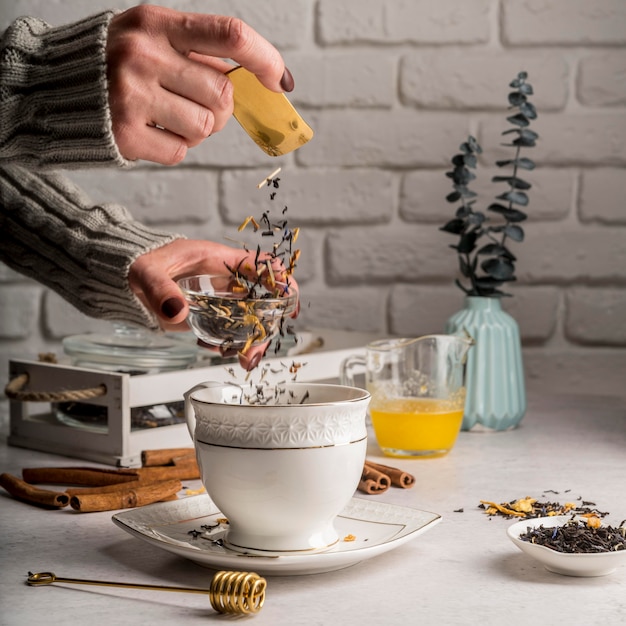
point(236, 593)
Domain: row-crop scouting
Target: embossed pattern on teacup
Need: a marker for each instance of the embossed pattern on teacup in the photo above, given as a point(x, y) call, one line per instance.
point(290, 429)
point(325, 415)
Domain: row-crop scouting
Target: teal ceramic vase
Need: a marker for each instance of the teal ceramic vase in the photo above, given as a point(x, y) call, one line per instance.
point(496, 393)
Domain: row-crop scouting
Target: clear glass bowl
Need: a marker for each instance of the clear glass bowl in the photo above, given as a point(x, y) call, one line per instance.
point(222, 317)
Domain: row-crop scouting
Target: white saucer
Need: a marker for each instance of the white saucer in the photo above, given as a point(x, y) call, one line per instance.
point(376, 527)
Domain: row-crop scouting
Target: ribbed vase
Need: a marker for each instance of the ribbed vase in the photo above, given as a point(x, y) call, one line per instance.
point(496, 394)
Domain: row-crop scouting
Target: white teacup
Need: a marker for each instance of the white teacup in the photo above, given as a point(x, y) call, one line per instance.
point(280, 472)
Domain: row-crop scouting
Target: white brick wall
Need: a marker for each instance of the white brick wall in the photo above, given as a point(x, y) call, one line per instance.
point(565, 22)
point(391, 88)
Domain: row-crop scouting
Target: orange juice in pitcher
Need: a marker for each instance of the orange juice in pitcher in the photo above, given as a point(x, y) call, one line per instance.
point(418, 392)
point(428, 427)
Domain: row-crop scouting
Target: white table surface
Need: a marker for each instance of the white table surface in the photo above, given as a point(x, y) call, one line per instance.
point(463, 571)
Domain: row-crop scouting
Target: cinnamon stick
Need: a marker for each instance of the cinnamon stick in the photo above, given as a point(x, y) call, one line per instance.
point(372, 481)
point(40, 497)
point(94, 477)
point(184, 470)
point(397, 477)
point(140, 482)
point(188, 470)
point(76, 491)
point(166, 456)
point(127, 498)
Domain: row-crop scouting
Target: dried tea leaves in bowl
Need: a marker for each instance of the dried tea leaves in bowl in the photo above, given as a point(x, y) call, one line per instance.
point(578, 536)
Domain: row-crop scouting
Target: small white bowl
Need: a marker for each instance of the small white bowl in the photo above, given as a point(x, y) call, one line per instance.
point(568, 564)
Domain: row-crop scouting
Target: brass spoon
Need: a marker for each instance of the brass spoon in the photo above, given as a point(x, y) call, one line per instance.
point(268, 117)
point(236, 593)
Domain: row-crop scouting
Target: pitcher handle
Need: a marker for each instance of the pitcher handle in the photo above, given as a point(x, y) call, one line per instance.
point(346, 374)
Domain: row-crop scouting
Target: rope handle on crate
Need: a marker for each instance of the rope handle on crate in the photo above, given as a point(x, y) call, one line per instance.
point(14, 391)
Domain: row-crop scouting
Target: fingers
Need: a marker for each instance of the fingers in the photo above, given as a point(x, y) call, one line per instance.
point(140, 141)
point(161, 102)
point(196, 99)
point(228, 37)
point(253, 356)
point(162, 296)
point(167, 85)
point(248, 361)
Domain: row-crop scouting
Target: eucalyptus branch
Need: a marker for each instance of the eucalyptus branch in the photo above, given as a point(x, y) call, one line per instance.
point(497, 262)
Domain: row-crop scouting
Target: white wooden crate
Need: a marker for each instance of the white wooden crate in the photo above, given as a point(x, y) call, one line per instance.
point(34, 425)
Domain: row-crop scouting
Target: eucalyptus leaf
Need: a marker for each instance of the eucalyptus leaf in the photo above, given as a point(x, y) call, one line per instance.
point(511, 215)
point(524, 142)
point(517, 197)
point(491, 249)
point(462, 176)
point(498, 268)
point(495, 293)
point(529, 134)
point(516, 233)
point(528, 109)
point(496, 249)
point(467, 243)
point(515, 215)
point(476, 219)
point(519, 119)
point(456, 227)
point(465, 192)
point(522, 162)
point(474, 145)
point(470, 160)
point(514, 181)
point(516, 98)
point(488, 282)
point(526, 89)
point(453, 196)
point(497, 208)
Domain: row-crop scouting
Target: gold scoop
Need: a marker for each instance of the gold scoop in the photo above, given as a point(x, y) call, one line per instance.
point(268, 117)
point(236, 593)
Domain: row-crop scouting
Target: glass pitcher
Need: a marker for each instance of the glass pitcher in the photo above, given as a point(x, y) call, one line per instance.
point(418, 392)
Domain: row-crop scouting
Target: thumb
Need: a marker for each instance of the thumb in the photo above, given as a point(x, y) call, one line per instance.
point(165, 299)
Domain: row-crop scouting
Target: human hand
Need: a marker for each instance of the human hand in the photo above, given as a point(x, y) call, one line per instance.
point(167, 87)
point(153, 275)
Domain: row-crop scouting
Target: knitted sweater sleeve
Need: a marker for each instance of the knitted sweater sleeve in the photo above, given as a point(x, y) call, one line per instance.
point(50, 231)
point(53, 95)
point(54, 114)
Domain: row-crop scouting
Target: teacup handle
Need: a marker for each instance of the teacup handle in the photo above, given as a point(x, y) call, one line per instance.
point(346, 375)
point(190, 414)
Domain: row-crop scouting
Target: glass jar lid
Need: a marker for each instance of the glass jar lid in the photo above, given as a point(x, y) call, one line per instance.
point(130, 349)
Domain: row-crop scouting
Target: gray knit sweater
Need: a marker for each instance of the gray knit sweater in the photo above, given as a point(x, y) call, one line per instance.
point(54, 115)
